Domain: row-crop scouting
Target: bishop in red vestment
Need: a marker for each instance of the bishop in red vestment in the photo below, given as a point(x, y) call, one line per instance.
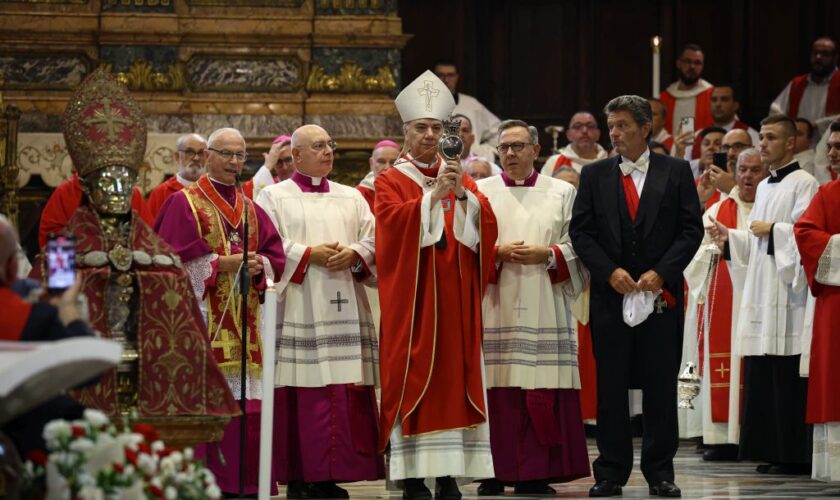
point(434, 239)
point(818, 238)
point(190, 156)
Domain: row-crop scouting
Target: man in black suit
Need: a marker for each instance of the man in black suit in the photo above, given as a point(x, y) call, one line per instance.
point(636, 224)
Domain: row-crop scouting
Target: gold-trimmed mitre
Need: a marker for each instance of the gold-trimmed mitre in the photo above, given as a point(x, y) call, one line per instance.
point(103, 125)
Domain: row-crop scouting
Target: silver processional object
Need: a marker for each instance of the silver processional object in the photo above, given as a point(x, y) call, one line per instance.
point(554, 131)
point(688, 386)
point(450, 145)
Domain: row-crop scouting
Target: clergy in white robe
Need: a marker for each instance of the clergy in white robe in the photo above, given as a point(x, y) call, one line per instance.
point(530, 350)
point(327, 353)
point(713, 305)
point(772, 313)
point(689, 96)
point(583, 148)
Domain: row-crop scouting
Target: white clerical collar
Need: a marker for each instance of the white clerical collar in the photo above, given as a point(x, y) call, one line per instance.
point(183, 181)
point(643, 158)
point(316, 181)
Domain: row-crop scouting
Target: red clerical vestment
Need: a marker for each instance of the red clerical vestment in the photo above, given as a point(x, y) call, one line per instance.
point(177, 373)
point(813, 231)
point(430, 338)
point(719, 324)
point(64, 202)
point(161, 193)
point(369, 195)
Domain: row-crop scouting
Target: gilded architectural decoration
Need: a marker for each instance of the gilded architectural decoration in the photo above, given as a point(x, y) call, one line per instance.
point(8, 160)
point(351, 78)
point(142, 76)
point(138, 5)
point(247, 3)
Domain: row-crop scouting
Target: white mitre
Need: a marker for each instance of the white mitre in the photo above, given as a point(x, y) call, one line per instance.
point(425, 97)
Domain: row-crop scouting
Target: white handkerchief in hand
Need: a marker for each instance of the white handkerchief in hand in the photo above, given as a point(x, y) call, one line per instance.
point(638, 306)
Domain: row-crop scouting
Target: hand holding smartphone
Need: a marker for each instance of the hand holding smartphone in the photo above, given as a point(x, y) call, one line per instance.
point(61, 263)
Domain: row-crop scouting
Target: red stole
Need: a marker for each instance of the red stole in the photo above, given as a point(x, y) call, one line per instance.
point(430, 338)
point(15, 314)
point(719, 302)
point(211, 211)
point(797, 90)
point(561, 161)
point(702, 109)
point(177, 375)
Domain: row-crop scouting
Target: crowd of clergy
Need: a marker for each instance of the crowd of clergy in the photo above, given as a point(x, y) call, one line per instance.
point(467, 318)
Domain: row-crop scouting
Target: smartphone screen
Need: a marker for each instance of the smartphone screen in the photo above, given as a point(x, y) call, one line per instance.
point(61, 262)
point(687, 124)
point(719, 160)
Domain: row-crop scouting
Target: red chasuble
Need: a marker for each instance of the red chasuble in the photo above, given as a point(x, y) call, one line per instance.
point(813, 232)
point(64, 202)
point(430, 337)
point(177, 374)
point(369, 195)
point(161, 193)
point(720, 324)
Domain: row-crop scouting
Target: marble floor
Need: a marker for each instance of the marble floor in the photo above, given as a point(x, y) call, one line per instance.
point(696, 478)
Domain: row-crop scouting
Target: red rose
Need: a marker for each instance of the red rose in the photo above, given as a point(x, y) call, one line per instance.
point(144, 448)
point(78, 430)
point(154, 490)
point(37, 457)
point(131, 456)
point(148, 432)
point(118, 468)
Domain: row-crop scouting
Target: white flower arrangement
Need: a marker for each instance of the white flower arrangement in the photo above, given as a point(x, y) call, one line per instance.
point(88, 459)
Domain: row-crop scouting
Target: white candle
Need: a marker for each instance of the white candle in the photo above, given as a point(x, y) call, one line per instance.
point(267, 416)
point(656, 44)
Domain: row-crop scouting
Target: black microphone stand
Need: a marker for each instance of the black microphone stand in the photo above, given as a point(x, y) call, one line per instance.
point(244, 285)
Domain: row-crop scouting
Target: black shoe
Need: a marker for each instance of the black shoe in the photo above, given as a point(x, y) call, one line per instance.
point(763, 468)
point(327, 489)
point(605, 488)
point(665, 489)
point(491, 488)
point(447, 489)
point(533, 488)
point(721, 453)
point(415, 489)
point(299, 489)
point(790, 469)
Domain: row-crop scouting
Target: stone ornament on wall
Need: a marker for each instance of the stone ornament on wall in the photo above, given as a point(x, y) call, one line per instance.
point(355, 7)
point(42, 70)
point(46, 155)
point(138, 5)
point(247, 3)
point(235, 73)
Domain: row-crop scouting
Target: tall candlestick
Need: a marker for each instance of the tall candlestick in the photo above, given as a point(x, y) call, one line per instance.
point(656, 44)
point(267, 416)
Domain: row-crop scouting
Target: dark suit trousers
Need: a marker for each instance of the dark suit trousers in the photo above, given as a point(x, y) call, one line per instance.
point(647, 355)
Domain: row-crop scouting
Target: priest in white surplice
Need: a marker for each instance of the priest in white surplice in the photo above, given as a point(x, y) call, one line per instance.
point(327, 353)
point(712, 315)
point(772, 313)
point(530, 350)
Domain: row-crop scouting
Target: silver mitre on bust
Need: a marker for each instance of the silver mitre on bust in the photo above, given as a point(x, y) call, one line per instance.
point(688, 386)
point(450, 145)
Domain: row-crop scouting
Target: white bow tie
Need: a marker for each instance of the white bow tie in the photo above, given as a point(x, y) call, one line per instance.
point(627, 167)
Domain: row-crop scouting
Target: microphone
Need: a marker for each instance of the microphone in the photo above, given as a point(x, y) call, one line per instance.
point(238, 179)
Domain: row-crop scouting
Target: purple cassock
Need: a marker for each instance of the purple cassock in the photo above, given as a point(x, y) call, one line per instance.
point(326, 433)
point(536, 435)
point(176, 224)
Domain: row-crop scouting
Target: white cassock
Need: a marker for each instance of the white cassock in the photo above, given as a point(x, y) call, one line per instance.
point(772, 313)
point(699, 275)
point(537, 349)
point(325, 332)
point(262, 179)
point(576, 161)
